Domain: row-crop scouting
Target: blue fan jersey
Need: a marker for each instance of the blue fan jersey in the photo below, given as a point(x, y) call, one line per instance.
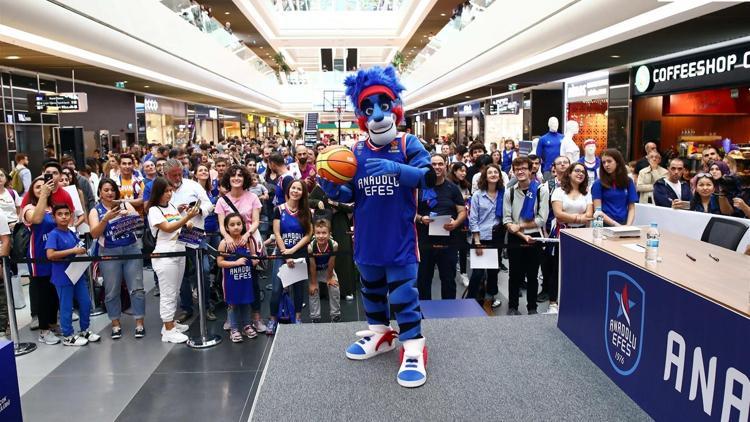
point(384, 212)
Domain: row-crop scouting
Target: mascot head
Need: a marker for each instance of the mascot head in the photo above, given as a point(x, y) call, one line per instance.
point(376, 95)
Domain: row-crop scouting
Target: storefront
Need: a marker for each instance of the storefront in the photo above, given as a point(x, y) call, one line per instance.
point(230, 124)
point(446, 124)
point(161, 121)
point(504, 119)
point(469, 121)
point(204, 123)
point(689, 103)
point(331, 130)
point(586, 102)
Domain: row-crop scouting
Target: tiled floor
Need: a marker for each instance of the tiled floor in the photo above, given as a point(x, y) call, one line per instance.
point(147, 380)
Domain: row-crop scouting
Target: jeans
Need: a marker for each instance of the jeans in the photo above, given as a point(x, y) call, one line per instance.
point(80, 292)
point(445, 259)
point(113, 273)
point(334, 297)
point(297, 290)
point(170, 271)
point(239, 316)
point(524, 263)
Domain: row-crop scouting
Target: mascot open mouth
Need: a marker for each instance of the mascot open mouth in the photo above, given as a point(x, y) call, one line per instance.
point(382, 131)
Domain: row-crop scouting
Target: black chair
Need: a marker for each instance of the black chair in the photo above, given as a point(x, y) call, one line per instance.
point(724, 232)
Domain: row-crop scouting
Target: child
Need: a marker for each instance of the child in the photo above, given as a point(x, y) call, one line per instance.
point(238, 279)
point(62, 243)
point(322, 271)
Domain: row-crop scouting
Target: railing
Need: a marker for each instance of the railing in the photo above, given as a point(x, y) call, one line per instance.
point(201, 18)
point(463, 16)
point(336, 5)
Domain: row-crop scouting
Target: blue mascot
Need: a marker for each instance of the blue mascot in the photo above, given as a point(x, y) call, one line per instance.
point(391, 166)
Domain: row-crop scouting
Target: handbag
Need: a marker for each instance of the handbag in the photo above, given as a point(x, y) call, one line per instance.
point(257, 238)
point(286, 313)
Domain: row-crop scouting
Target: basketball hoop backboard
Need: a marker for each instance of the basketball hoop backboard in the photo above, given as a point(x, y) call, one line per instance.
point(336, 102)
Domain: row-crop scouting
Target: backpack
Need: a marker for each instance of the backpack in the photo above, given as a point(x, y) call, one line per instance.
point(15, 180)
point(20, 239)
point(286, 313)
point(149, 239)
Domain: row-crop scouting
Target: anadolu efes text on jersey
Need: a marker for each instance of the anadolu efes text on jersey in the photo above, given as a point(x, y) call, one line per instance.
point(384, 229)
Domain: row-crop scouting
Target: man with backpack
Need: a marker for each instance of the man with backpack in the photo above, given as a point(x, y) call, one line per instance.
point(20, 177)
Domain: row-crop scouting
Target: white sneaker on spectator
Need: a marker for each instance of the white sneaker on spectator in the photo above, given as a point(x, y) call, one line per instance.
point(464, 280)
point(349, 297)
point(496, 303)
point(177, 326)
point(89, 335)
point(48, 338)
point(226, 326)
point(74, 341)
point(554, 309)
point(173, 336)
point(75, 316)
point(259, 326)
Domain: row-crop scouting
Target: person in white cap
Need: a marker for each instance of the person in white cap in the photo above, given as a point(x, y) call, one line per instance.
point(590, 160)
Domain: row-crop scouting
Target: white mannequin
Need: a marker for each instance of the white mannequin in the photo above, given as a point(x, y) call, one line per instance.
point(591, 161)
point(553, 124)
point(568, 147)
point(589, 153)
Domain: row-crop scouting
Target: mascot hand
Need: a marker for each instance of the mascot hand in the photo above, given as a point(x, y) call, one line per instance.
point(430, 197)
point(336, 192)
point(381, 166)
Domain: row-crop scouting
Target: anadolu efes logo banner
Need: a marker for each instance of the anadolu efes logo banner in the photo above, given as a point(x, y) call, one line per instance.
point(624, 319)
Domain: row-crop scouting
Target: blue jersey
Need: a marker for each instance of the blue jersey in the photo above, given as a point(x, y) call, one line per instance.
point(289, 226)
point(60, 240)
point(37, 246)
point(111, 241)
point(384, 212)
point(548, 149)
point(211, 222)
point(238, 282)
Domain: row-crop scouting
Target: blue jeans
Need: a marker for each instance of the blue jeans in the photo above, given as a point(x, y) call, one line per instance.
point(239, 316)
point(297, 289)
point(80, 292)
point(113, 272)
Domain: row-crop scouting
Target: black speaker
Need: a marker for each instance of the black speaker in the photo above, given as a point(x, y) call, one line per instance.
point(351, 59)
point(326, 59)
point(651, 132)
point(71, 143)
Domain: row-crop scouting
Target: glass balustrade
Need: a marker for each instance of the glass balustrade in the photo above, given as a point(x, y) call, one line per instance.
point(336, 5)
point(463, 15)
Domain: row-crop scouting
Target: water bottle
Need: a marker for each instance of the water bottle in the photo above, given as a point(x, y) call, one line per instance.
point(652, 244)
point(598, 224)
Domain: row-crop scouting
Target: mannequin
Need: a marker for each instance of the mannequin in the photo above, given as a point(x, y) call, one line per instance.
point(590, 160)
point(548, 147)
point(568, 147)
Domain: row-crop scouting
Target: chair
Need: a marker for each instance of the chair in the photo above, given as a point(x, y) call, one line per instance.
point(724, 232)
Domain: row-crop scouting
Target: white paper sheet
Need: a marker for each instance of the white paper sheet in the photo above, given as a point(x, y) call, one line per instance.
point(634, 247)
point(73, 192)
point(546, 239)
point(289, 276)
point(76, 270)
point(437, 223)
point(488, 260)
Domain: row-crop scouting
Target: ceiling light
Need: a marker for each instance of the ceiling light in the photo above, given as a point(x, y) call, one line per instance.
point(615, 56)
point(442, 14)
point(147, 86)
point(261, 47)
point(12, 57)
point(441, 103)
point(227, 13)
point(467, 96)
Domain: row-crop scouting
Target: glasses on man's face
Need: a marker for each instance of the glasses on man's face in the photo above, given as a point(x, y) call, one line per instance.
point(521, 169)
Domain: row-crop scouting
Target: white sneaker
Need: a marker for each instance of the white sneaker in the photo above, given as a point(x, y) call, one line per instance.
point(412, 372)
point(259, 326)
point(496, 303)
point(464, 280)
point(177, 326)
point(49, 338)
point(173, 336)
point(75, 317)
point(377, 340)
point(349, 298)
point(554, 309)
point(74, 341)
point(89, 335)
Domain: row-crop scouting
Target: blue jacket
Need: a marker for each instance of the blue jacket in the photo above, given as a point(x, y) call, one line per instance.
point(664, 194)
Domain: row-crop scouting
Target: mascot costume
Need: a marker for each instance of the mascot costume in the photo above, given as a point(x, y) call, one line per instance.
point(391, 166)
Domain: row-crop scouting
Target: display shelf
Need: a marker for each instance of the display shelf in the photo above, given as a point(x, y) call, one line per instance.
point(695, 138)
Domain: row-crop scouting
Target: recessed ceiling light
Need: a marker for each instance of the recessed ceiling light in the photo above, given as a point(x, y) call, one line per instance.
point(12, 57)
point(261, 47)
point(442, 14)
point(615, 56)
point(147, 86)
point(467, 96)
point(441, 103)
point(227, 13)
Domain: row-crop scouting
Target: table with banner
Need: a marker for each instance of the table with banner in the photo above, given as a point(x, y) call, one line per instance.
point(675, 335)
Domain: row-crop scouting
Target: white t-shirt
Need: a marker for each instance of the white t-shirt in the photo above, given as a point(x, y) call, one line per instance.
point(8, 206)
point(571, 205)
point(165, 242)
point(675, 187)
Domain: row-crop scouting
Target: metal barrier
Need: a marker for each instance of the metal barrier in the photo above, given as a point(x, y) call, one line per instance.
point(19, 348)
point(204, 340)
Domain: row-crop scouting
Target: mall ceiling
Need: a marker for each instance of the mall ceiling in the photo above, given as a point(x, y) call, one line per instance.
point(438, 17)
point(724, 25)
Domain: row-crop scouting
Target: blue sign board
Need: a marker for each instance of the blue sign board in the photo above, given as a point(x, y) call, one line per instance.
point(678, 355)
point(10, 399)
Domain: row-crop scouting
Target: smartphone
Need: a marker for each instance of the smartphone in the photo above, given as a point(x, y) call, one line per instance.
point(47, 177)
point(122, 206)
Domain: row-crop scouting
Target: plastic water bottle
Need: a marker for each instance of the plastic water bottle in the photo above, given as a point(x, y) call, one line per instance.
point(652, 244)
point(598, 224)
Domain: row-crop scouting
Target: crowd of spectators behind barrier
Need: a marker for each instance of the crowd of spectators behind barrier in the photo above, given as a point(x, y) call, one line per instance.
point(493, 197)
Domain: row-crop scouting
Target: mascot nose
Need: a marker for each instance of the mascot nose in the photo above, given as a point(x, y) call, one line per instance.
point(378, 115)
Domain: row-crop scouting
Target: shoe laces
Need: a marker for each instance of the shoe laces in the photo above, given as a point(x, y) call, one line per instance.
point(411, 363)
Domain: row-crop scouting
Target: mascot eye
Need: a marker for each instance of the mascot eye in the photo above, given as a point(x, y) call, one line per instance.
point(385, 107)
point(369, 111)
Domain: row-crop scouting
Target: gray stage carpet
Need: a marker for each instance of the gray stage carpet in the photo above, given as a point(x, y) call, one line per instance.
point(505, 368)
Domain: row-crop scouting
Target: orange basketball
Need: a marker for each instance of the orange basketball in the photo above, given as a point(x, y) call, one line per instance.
point(336, 164)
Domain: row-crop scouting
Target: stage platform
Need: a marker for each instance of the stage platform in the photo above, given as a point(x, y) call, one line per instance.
point(508, 368)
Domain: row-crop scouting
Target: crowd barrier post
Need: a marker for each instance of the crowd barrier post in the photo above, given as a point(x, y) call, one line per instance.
point(19, 348)
point(96, 310)
point(203, 340)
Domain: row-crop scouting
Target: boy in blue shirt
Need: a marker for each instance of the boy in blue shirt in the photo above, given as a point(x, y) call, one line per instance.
point(63, 243)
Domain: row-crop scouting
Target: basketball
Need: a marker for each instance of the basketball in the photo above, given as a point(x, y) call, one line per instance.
point(336, 164)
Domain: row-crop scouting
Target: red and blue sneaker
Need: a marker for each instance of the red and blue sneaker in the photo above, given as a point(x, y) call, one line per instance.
point(377, 340)
point(412, 372)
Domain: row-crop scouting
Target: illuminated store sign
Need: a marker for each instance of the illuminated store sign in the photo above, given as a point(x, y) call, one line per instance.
point(725, 67)
point(588, 90)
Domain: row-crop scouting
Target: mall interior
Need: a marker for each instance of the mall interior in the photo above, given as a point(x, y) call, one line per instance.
point(615, 287)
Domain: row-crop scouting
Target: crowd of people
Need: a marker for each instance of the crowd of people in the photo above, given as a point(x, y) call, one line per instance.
point(259, 197)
